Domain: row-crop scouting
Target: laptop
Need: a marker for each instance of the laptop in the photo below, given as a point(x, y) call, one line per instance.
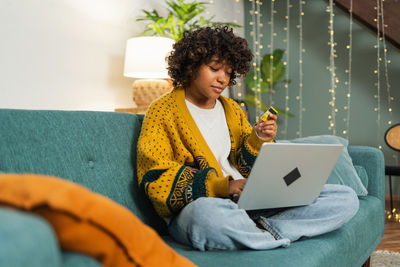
point(288, 174)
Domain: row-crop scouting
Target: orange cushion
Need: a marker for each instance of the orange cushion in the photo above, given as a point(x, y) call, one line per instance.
point(88, 222)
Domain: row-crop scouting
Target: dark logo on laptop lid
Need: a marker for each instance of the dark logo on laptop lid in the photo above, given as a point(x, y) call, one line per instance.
point(292, 176)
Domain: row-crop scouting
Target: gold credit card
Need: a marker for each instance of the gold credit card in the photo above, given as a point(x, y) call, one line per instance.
point(271, 109)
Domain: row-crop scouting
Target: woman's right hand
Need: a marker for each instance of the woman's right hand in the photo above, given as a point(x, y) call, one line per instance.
point(236, 186)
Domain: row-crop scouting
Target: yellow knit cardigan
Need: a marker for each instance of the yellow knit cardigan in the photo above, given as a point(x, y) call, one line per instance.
point(174, 163)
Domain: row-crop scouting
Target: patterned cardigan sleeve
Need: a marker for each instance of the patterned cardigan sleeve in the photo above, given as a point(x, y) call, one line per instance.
point(244, 152)
point(171, 182)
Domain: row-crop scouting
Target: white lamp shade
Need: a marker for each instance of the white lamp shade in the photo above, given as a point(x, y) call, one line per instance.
point(145, 57)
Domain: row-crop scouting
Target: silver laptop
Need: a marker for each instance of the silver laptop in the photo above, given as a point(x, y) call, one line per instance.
point(288, 174)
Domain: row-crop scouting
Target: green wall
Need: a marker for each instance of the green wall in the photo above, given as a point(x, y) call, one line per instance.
point(316, 77)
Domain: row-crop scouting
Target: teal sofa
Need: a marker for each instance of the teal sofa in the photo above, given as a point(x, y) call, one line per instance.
point(98, 151)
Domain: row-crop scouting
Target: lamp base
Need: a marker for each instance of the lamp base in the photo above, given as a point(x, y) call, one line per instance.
point(146, 91)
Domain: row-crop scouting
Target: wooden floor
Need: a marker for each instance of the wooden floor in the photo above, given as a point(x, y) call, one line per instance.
point(391, 238)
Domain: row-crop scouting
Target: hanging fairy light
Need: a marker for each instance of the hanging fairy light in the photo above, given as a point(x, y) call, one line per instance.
point(256, 36)
point(271, 49)
point(332, 70)
point(301, 51)
point(386, 61)
point(286, 63)
point(393, 215)
point(346, 132)
point(377, 72)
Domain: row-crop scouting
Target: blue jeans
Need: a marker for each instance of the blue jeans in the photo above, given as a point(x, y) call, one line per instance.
point(216, 223)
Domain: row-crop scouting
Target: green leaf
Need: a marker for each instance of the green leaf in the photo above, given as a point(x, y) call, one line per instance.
point(278, 54)
point(250, 100)
point(148, 32)
point(283, 112)
point(149, 15)
point(278, 72)
point(278, 68)
point(249, 81)
point(160, 21)
point(264, 87)
point(266, 67)
point(265, 63)
point(156, 28)
point(231, 24)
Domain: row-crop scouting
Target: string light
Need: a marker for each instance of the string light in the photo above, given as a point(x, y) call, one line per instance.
point(256, 36)
point(393, 215)
point(332, 70)
point(377, 72)
point(301, 50)
point(242, 89)
point(287, 41)
point(386, 62)
point(346, 132)
point(271, 58)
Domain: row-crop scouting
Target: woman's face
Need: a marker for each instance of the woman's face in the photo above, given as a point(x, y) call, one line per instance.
point(211, 80)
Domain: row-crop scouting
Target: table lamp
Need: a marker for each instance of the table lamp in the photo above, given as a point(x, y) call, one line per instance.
point(145, 60)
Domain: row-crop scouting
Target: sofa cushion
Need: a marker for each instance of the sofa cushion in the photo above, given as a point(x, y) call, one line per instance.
point(362, 173)
point(20, 246)
point(88, 222)
point(343, 172)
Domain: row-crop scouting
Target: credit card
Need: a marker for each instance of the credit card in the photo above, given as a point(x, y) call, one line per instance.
point(264, 117)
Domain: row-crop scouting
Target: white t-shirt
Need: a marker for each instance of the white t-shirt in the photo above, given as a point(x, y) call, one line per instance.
point(213, 127)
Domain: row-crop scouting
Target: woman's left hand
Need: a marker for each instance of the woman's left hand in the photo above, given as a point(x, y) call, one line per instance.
point(266, 130)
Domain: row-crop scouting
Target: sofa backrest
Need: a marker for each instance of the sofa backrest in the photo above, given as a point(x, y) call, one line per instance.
point(94, 149)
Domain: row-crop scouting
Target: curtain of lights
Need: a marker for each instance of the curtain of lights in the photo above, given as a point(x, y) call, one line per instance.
point(381, 71)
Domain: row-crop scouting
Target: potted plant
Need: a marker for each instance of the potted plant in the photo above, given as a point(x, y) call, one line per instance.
point(181, 17)
point(269, 79)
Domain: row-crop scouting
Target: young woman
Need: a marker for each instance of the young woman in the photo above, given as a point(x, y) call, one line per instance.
point(197, 148)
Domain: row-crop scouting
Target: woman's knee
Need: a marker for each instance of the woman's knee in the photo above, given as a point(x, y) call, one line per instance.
point(344, 197)
point(202, 223)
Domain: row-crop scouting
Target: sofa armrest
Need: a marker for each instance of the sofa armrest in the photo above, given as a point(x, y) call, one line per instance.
point(27, 240)
point(373, 161)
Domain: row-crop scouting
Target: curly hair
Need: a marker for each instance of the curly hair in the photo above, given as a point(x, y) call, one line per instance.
point(200, 46)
